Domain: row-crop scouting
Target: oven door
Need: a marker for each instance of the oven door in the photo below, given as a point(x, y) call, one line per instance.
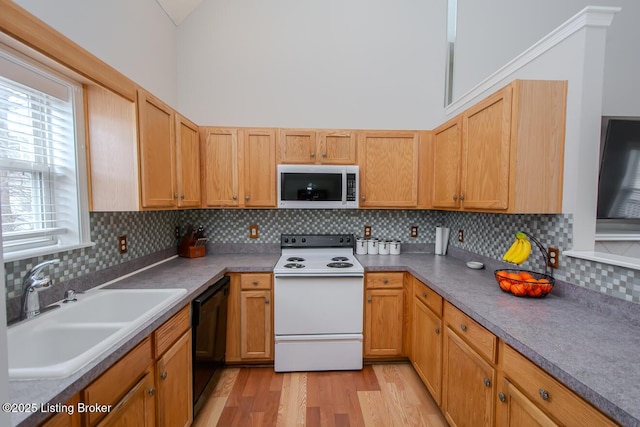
point(310, 305)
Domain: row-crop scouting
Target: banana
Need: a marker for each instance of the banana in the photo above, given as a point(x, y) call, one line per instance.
point(523, 253)
point(514, 246)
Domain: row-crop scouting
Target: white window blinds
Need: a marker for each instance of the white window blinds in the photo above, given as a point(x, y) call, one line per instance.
point(38, 173)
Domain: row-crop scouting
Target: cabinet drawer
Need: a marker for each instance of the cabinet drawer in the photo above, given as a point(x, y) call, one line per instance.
point(549, 394)
point(253, 281)
point(171, 330)
point(476, 335)
point(109, 388)
point(428, 297)
point(384, 280)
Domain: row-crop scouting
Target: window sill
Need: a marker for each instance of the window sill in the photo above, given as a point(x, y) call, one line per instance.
point(33, 253)
point(611, 237)
point(618, 260)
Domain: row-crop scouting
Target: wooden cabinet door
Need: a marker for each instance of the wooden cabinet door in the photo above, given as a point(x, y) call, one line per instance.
point(188, 162)
point(427, 348)
point(467, 385)
point(66, 419)
point(157, 152)
point(256, 316)
point(220, 167)
point(337, 147)
point(487, 142)
point(136, 408)
point(388, 169)
point(174, 383)
point(297, 146)
point(383, 313)
point(516, 410)
point(447, 157)
point(259, 149)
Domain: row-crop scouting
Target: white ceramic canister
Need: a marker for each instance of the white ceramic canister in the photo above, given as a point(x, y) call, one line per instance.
point(372, 246)
point(383, 247)
point(361, 246)
point(394, 247)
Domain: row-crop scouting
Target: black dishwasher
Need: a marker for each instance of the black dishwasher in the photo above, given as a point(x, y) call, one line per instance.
point(209, 335)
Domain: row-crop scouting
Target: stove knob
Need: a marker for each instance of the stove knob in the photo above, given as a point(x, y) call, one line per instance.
point(304, 240)
point(348, 239)
point(286, 240)
point(293, 240)
point(341, 239)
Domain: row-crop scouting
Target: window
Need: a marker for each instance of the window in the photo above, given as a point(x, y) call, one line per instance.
point(42, 162)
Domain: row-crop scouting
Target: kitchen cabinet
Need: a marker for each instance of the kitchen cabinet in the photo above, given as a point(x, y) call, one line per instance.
point(427, 338)
point(383, 315)
point(528, 393)
point(504, 154)
point(300, 146)
point(65, 419)
point(136, 408)
point(187, 162)
point(469, 373)
point(156, 128)
point(172, 349)
point(425, 169)
point(388, 169)
point(250, 318)
point(238, 167)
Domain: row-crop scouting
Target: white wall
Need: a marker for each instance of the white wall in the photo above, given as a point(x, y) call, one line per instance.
point(134, 36)
point(492, 32)
point(332, 64)
point(4, 366)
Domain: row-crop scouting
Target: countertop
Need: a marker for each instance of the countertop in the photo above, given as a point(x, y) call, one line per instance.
point(591, 352)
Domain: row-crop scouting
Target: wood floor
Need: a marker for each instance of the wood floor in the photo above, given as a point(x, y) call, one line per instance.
point(382, 395)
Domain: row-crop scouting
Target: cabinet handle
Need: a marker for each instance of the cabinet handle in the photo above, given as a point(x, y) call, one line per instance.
point(502, 397)
point(163, 375)
point(424, 295)
point(312, 154)
point(324, 154)
point(182, 197)
point(385, 281)
point(363, 198)
point(254, 283)
point(455, 197)
point(437, 330)
point(487, 382)
point(151, 391)
point(462, 197)
point(463, 327)
point(369, 299)
point(175, 195)
point(544, 394)
point(235, 197)
point(266, 300)
point(246, 197)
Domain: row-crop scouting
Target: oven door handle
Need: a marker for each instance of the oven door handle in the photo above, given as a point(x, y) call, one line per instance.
point(318, 276)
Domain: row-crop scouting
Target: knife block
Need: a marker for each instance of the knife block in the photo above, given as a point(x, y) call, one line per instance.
point(192, 252)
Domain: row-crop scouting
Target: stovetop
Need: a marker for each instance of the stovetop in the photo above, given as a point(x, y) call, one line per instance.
point(319, 254)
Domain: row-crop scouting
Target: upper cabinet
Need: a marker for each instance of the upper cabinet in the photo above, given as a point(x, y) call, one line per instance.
point(238, 167)
point(298, 146)
point(505, 154)
point(187, 162)
point(388, 163)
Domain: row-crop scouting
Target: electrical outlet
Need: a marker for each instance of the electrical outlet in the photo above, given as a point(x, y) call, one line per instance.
point(367, 231)
point(460, 235)
point(176, 232)
point(553, 254)
point(122, 244)
point(253, 231)
point(414, 231)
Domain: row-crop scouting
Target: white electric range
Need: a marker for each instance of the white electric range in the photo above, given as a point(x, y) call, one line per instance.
point(318, 304)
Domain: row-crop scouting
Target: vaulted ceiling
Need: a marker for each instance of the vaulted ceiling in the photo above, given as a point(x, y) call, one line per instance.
point(178, 10)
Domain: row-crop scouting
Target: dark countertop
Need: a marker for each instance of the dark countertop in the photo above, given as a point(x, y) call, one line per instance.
point(592, 352)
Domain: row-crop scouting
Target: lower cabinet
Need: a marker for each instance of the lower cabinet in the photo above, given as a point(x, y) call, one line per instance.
point(250, 318)
point(516, 410)
point(136, 408)
point(383, 315)
point(174, 384)
point(66, 419)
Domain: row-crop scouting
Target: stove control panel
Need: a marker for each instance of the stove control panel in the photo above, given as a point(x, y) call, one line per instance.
point(317, 241)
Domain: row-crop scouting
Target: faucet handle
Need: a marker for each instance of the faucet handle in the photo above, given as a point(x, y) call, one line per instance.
point(70, 296)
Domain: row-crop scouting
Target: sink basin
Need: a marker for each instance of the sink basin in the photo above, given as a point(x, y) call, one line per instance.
point(60, 342)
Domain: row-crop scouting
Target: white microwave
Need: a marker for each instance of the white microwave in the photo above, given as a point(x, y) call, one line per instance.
point(318, 187)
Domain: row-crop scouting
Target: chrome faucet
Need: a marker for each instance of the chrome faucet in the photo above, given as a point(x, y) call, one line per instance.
point(34, 282)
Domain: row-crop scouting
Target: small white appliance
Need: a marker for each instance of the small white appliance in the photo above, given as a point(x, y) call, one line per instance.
point(318, 304)
point(318, 186)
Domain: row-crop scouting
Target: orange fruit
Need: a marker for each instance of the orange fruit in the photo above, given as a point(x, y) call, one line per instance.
point(513, 276)
point(518, 289)
point(535, 291)
point(501, 273)
point(525, 276)
point(545, 286)
point(505, 285)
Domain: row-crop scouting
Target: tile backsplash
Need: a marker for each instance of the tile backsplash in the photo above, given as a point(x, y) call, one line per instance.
point(486, 234)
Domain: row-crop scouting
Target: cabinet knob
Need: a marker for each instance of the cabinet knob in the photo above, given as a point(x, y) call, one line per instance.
point(463, 327)
point(312, 154)
point(247, 197)
point(182, 197)
point(544, 394)
point(461, 197)
point(163, 375)
point(369, 299)
point(254, 283)
point(235, 197)
point(487, 382)
point(266, 300)
point(175, 195)
point(502, 397)
point(324, 154)
point(385, 281)
point(455, 197)
point(437, 330)
point(424, 295)
point(363, 198)
point(151, 391)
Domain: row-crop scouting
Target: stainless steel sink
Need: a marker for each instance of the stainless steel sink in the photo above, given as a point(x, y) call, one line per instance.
point(58, 343)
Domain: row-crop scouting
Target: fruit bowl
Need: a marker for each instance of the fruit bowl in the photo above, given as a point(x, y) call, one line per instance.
point(524, 283)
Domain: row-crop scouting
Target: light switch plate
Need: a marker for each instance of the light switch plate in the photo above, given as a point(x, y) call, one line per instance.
point(253, 231)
